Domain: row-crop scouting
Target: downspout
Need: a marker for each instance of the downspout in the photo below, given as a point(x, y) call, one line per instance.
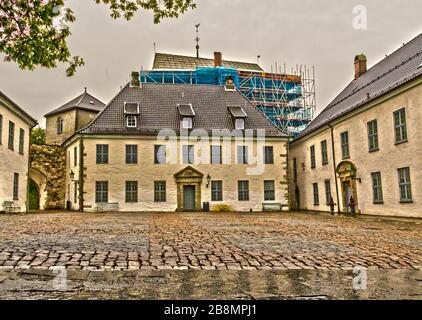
point(81, 174)
point(288, 175)
point(334, 168)
point(29, 168)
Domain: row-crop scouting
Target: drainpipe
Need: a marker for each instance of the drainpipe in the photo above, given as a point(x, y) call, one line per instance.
point(81, 174)
point(29, 168)
point(334, 168)
point(289, 203)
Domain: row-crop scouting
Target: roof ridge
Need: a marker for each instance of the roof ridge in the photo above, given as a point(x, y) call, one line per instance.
point(82, 96)
point(374, 80)
point(376, 64)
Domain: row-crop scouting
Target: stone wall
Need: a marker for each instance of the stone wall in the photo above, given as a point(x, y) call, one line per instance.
point(69, 126)
point(51, 162)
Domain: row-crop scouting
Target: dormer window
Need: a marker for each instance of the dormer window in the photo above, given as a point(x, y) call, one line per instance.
point(187, 123)
point(186, 113)
point(239, 116)
point(131, 121)
point(131, 110)
point(239, 124)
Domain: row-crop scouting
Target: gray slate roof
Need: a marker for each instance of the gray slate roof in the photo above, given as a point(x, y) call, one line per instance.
point(85, 101)
point(158, 110)
point(396, 69)
point(19, 111)
point(176, 62)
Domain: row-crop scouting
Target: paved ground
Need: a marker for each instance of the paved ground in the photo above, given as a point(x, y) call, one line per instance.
point(195, 241)
point(210, 285)
point(208, 256)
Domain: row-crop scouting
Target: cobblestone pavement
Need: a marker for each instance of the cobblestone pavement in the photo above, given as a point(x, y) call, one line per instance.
point(162, 241)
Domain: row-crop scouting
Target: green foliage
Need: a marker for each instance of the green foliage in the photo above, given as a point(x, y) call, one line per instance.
point(34, 33)
point(222, 208)
point(160, 8)
point(38, 136)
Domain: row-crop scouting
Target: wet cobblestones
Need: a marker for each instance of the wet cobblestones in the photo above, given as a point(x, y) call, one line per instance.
point(178, 241)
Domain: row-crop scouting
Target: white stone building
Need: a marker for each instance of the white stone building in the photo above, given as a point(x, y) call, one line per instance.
point(15, 129)
point(165, 147)
point(364, 149)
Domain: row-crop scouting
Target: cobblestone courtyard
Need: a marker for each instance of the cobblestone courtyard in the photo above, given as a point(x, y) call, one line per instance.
point(136, 241)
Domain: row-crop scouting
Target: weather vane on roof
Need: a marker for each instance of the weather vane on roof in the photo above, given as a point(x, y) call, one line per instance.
point(197, 39)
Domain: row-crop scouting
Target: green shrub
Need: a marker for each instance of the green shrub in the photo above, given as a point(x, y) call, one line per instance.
point(222, 208)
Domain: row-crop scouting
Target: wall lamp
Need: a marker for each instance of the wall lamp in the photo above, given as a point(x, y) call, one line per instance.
point(71, 175)
point(208, 180)
point(357, 179)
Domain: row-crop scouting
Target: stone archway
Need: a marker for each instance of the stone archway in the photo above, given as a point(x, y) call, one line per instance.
point(39, 181)
point(189, 180)
point(346, 172)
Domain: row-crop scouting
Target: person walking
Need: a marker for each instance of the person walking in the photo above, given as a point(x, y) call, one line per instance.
point(332, 205)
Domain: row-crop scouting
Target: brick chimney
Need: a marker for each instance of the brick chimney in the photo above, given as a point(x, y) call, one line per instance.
point(134, 82)
point(360, 65)
point(218, 59)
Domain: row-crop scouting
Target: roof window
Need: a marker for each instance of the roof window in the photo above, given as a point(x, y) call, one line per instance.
point(132, 108)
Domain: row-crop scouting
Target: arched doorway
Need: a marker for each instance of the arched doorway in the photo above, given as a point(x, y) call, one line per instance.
point(34, 196)
point(346, 172)
point(37, 189)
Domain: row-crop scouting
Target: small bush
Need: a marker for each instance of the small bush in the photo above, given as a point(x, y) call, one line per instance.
point(222, 208)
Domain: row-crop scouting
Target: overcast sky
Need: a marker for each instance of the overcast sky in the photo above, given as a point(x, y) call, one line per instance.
point(316, 33)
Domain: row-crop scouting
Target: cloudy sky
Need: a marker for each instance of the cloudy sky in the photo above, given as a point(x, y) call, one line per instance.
point(315, 33)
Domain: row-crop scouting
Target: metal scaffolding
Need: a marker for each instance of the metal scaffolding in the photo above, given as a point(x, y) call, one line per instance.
point(288, 100)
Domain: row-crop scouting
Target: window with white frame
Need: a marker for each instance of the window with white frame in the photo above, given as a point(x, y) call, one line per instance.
point(239, 124)
point(187, 123)
point(131, 121)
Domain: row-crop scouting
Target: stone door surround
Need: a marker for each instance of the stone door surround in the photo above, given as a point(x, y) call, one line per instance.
point(189, 177)
point(346, 172)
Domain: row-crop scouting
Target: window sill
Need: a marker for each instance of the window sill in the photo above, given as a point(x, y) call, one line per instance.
point(325, 164)
point(378, 202)
point(406, 201)
point(401, 142)
point(373, 150)
point(345, 158)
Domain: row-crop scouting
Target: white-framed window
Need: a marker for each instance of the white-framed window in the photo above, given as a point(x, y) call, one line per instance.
point(187, 123)
point(239, 124)
point(131, 122)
